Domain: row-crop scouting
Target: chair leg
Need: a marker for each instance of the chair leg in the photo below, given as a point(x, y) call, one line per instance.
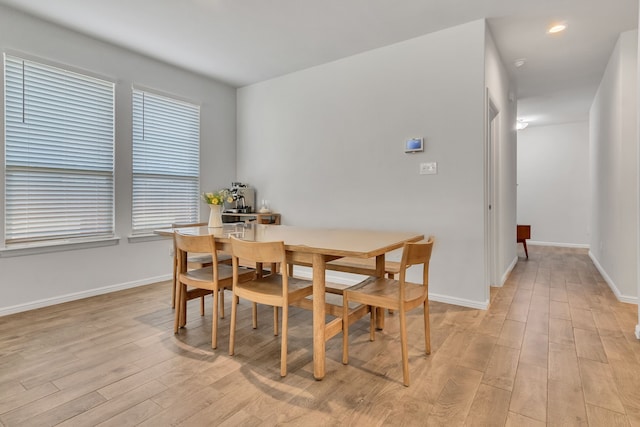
point(201, 306)
point(214, 321)
point(283, 350)
point(178, 314)
point(232, 329)
point(345, 328)
point(427, 328)
point(254, 315)
point(174, 292)
point(379, 318)
point(222, 303)
point(372, 322)
point(183, 305)
point(405, 350)
point(275, 321)
point(390, 276)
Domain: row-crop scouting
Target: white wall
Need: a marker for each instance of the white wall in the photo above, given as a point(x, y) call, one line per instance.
point(325, 146)
point(553, 183)
point(614, 184)
point(638, 183)
point(30, 281)
point(501, 92)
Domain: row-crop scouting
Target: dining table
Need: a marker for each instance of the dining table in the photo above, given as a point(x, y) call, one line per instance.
point(315, 246)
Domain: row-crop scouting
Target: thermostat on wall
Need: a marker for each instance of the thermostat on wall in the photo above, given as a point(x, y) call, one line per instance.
point(414, 145)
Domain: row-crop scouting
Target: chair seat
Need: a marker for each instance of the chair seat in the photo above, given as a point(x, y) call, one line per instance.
point(384, 292)
point(225, 273)
point(270, 287)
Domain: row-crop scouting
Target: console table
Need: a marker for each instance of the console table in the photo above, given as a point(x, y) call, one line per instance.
point(523, 233)
point(260, 218)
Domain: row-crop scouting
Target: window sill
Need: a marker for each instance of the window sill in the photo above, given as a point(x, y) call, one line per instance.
point(50, 247)
point(145, 238)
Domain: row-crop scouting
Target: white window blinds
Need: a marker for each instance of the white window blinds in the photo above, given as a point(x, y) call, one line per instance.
point(166, 158)
point(59, 154)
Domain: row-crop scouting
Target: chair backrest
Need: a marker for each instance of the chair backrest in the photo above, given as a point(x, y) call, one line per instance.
point(187, 243)
point(414, 254)
point(265, 252)
point(185, 225)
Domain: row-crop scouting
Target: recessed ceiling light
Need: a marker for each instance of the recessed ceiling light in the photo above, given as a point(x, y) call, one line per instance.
point(557, 28)
point(519, 62)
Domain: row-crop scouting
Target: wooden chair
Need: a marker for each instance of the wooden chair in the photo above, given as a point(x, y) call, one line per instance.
point(193, 261)
point(212, 279)
point(277, 290)
point(398, 295)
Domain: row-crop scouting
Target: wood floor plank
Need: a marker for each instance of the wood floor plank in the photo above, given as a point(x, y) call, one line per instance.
point(559, 310)
point(566, 405)
point(558, 294)
point(627, 380)
point(456, 398)
point(588, 345)
point(563, 364)
point(113, 407)
point(583, 319)
point(502, 367)
point(490, 407)
point(511, 334)
point(599, 386)
point(25, 397)
point(529, 397)
point(478, 352)
point(603, 417)
point(561, 331)
point(517, 420)
point(57, 414)
point(535, 349)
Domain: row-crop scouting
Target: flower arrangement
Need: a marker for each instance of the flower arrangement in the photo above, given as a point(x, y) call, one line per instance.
point(218, 198)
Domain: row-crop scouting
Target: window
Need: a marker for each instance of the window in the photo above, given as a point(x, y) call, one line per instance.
point(59, 154)
point(166, 159)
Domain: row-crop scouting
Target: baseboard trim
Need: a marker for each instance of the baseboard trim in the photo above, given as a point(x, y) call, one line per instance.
point(459, 301)
point(506, 274)
point(4, 311)
point(612, 285)
point(561, 245)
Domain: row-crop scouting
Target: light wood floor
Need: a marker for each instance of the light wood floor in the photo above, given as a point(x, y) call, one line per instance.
point(555, 347)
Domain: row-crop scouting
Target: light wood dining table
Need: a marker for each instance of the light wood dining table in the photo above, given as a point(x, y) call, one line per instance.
point(315, 246)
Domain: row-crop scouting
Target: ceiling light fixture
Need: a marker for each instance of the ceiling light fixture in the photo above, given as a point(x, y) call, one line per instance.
point(521, 124)
point(557, 28)
point(519, 62)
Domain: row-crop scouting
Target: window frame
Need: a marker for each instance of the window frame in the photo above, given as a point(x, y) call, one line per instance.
point(48, 243)
point(193, 197)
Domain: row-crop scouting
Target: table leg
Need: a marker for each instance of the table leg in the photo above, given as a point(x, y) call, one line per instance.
point(380, 272)
point(319, 266)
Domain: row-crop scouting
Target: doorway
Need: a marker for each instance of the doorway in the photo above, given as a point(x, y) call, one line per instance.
point(491, 195)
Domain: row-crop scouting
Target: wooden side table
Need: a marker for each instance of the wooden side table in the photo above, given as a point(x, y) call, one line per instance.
point(260, 218)
point(523, 233)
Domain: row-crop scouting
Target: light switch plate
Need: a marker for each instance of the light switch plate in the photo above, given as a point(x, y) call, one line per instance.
point(430, 168)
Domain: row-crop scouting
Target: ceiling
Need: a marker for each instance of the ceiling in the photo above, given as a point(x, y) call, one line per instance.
point(241, 42)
